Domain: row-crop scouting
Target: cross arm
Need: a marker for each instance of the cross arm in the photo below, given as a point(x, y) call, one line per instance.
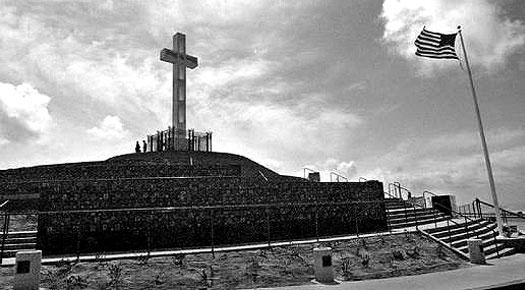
point(170, 56)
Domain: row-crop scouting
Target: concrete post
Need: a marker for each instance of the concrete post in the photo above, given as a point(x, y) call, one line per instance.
point(324, 272)
point(27, 271)
point(475, 250)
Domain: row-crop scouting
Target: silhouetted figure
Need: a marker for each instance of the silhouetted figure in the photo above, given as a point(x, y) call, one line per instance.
point(144, 146)
point(137, 147)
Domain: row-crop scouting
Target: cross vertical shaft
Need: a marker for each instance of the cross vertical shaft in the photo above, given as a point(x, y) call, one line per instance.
point(179, 84)
point(180, 60)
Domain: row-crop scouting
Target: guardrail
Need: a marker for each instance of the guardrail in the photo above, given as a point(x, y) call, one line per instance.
point(4, 229)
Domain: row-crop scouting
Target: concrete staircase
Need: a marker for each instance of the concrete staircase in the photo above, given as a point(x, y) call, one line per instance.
point(16, 241)
point(452, 231)
point(456, 233)
point(401, 214)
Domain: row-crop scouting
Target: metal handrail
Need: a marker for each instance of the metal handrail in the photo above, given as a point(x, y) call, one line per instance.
point(5, 230)
point(390, 195)
point(304, 171)
point(338, 175)
point(477, 234)
point(396, 184)
point(430, 192)
point(515, 214)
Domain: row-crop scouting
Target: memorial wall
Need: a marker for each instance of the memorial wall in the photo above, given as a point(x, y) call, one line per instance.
point(140, 214)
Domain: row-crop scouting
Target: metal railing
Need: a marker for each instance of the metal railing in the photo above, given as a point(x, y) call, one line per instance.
point(440, 208)
point(395, 189)
point(271, 228)
point(482, 209)
point(332, 173)
point(5, 228)
point(307, 169)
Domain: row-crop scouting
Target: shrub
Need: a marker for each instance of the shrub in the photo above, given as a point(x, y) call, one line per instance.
point(76, 282)
point(178, 259)
point(252, 269)
point(143, 259)
point(346, 267)
point(398, 255)
point(115, 274)
point(160, 278)
point(414, 253)
point(100, 258)
point(364, 258)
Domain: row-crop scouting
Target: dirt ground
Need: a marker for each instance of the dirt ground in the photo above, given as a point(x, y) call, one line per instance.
point(357, 259)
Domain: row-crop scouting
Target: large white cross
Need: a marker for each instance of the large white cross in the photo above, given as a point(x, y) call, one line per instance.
point(180, 61)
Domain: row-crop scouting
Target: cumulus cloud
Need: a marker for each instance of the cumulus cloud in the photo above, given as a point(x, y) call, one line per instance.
point(24, 115)
point(109, 128)
point(453, 162)
point(489, 35)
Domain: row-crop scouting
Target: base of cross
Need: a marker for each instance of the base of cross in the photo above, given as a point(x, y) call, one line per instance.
point(179, 140)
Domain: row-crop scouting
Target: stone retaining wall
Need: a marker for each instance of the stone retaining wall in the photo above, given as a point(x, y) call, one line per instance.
point(137, 214)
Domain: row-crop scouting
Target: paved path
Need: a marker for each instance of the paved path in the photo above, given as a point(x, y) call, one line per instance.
point(498, 273)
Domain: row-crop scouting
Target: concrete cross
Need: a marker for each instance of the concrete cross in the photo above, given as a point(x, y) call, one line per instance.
point(180, 61)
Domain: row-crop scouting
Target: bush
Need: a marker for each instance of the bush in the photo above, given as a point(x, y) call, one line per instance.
point(346, 267)
point(115, 274)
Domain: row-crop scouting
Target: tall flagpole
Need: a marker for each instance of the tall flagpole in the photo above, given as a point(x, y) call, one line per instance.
point(499, 221)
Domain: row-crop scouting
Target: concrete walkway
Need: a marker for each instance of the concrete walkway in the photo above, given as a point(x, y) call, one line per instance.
point(498, 273)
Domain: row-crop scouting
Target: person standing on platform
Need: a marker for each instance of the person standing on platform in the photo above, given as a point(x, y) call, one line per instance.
point(137, 147)
point(144, 146)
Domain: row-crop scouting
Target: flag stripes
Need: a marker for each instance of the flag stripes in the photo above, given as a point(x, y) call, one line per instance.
point(436, 45)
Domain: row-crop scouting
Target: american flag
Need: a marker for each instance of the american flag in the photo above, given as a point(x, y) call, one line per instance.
point(436, 45)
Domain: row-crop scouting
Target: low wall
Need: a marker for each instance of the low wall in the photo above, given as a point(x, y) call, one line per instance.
point(113, 170)
point(145, 213)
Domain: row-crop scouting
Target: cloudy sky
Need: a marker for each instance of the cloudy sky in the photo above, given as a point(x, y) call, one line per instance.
point(331, 85)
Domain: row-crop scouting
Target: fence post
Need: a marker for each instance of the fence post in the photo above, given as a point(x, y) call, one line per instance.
point(466, 227)
point(496, 243)
point(406, 215)
point(356, 220)
point(434, 215)
point(4, 236)
point(415, 216)
point(78, 243)
point(479, 208)
point(316, 223)
point(268, 232)
point(149, 232)
point(448, 229)
point(212, 242)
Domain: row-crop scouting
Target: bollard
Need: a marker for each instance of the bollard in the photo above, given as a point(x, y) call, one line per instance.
point(27, 270)
point(323, 265)
point(475, 250)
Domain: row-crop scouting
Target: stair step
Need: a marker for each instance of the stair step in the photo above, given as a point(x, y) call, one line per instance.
point(471, 234)
point(487, 241)
point(494, 249)
point(19, 246)
point(412, 218)
point(486, 235)
point(10, 253)
point(419, 223)
point(23, 234)
point(410, 211)
point(471, 227)
point(502, 253)
point(453, 225)
point(10, 240)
